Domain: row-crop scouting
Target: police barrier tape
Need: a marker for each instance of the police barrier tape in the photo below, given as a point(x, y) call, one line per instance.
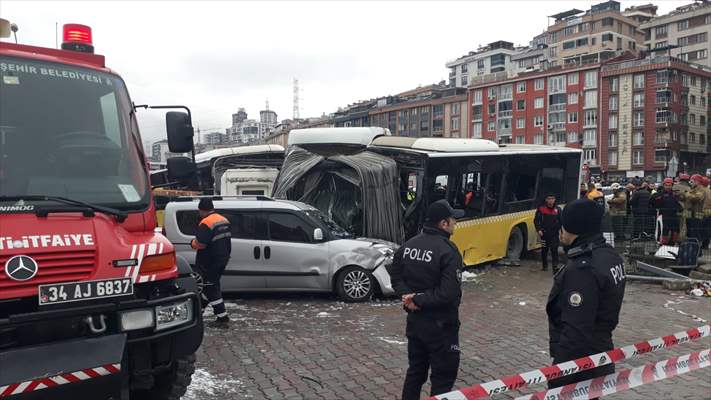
point(516, 382)
point(61, 379)
point(626, 379)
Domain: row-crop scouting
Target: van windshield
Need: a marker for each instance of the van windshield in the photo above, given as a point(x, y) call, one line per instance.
point(66, 131)
point(334, 228)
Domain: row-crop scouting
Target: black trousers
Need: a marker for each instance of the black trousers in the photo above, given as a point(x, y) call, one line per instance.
point(212, 292)
point(694, 228)
point(706, 229)
point(431, 345)
point(550, 246)
point(581, 376)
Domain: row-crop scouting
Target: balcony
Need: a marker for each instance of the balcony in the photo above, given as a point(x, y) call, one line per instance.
point(556, 126)
point(505, 114)
point(556, 107)
point(589, 143)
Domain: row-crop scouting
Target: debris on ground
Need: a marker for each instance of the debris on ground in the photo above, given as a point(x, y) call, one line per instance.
point(468, 276)
point(204, 382)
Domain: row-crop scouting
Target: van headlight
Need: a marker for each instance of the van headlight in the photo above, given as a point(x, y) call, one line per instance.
point(171, 315)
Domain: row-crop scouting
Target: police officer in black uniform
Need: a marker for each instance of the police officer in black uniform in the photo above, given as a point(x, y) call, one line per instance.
point(426, 273)
point(213, 245)
point(584, 304)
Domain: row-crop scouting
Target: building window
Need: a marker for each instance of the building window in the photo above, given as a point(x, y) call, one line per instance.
point(638, 119)
point(613, 103)
point(612, 139)
point(608, 21)
point(492, 108)
point(521, 104)
point(464, 68)
point(692, 138)
point(638, 138)
point(520, 123)
point(612, 121)
point(589, 156)
point(538, 139)
point(590, 99)
point(638, 101)
point(573, 79)
point(612, 157)
point(682, 25)
point(465, 80)
point(553, 51)
point(476, 130)
point(538, 120)
point(521, 87)
point(662, 76)
point(538, 103)
point(692, 119)
point(638, 157)
point(456, 108)
point(613, 84)
point(477, 97)
point(492, 126)
point(639, 81)
point(703, 101)
point(455, 124)
point(590, 79)
point(581, 42)
point(692, 100)
point(569, 45)
point(539, 84)
point(589, 137)
point(492, 92)
point(573, 98)
point(520, 139)
point(661, 44)
point(702, 120)
point(590, 118)
point(573, 137)
point(572, 117)
point(607, 37)
point(660, 32)
point(556, 84)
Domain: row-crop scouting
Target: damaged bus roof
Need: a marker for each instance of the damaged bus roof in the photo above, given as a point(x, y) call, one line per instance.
point(362, 136)
point(238, 150)
point(449, 147)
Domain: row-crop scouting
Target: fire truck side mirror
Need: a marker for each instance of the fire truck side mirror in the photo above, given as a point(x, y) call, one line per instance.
point(180, 132)
point(180, 169)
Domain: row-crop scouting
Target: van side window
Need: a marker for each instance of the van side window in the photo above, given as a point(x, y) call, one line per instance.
point(246, 225)
point(188, 222)
point(286, 227)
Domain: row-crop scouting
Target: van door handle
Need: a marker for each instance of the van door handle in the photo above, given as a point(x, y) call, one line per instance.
point(267, 252)
point(256, 252)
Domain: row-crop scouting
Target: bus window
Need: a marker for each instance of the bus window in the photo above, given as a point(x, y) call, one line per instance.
point(440, 188)
point(520, 185)
point(551, 182)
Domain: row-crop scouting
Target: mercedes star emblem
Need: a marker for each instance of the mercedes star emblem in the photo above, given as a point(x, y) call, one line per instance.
point(21, 268)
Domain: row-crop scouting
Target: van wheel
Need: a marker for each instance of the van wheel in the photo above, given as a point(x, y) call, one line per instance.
point(515, 246)
point(355, 284)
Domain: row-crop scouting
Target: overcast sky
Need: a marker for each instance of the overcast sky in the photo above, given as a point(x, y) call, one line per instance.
point(217, 56)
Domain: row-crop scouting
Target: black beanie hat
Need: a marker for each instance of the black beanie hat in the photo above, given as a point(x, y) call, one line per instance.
point(582, 217)
point(206, 204)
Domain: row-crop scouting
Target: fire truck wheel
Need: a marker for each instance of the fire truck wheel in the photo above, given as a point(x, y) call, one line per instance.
point(173, 384)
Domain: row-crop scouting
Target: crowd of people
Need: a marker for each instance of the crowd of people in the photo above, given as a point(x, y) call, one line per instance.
point(678, 209)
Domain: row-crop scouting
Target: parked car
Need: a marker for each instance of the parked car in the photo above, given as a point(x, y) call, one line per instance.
point(280, 246)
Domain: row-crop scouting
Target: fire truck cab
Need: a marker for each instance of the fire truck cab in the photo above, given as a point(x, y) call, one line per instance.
point(94, 303)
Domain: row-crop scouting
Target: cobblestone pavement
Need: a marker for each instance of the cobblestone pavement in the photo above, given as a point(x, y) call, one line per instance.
point(314, 347)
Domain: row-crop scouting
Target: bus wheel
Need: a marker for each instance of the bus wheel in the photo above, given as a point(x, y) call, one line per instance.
point(515, 246)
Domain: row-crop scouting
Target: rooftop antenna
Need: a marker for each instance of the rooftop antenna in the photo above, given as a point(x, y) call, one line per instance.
point(267, 105)
point(295, 113)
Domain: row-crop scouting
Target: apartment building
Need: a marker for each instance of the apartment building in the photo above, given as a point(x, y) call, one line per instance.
point(555, 107)
point(687, 27)
point(442, 112)
point(593, 36)
point(656, 110)
point(492, 58)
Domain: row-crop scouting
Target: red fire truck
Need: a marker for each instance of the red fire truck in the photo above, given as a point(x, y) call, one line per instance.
point(93, 302)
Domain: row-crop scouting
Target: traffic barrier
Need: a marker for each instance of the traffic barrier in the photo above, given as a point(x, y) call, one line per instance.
point(626, 379)
point(516, 382)
point(61, 379)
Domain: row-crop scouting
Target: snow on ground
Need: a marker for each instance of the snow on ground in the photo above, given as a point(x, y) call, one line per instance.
point(204, 383)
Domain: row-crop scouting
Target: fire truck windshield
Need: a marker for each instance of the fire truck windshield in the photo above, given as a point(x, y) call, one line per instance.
point(66, 131)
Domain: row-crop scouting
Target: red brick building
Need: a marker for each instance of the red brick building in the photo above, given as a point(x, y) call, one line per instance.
point(570, 106)
point(657, 113)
